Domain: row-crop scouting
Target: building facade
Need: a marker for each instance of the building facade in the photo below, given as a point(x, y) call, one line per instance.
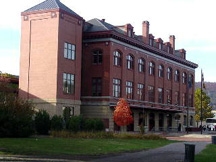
point(88, 66)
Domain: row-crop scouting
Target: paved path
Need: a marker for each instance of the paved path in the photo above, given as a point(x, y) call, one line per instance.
point(170, 153)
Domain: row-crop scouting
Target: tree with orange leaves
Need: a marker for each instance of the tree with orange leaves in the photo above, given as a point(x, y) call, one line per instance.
point(122, 113)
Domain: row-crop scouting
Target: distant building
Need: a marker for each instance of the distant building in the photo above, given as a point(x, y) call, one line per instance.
point(87, 66)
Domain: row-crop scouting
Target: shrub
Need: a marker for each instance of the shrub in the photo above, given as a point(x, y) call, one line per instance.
point(75, 123)
point(93, 125)
point(42, 122)
point(15, 117)
point(56, 123)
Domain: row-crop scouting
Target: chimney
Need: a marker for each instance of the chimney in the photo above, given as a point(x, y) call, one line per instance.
point(145, 31)
point(103, 20)
point(172, 42)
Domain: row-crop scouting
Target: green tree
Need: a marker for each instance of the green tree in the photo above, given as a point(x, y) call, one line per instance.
point(206, 108)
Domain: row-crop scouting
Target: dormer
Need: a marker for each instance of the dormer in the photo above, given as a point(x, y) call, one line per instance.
point(151, 40)
point(181, 53)
point(129, 30)
point(159, 42)
point(167, 47)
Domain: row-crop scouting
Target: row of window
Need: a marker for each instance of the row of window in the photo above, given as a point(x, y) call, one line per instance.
point(97, 59)
point(97, 91)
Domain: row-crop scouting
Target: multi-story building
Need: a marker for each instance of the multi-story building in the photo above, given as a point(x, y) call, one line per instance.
point(116, 63)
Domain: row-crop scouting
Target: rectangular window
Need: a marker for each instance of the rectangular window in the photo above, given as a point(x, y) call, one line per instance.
point(68, 83)
point(69, 51)
point(177, 98)
point(190, 101)
point(184, 99)
point(140, 91)
point(160, 95)
point(169, 96)
point(96, 86)
point(116, 87)
point(151, 93)
point(129, 90)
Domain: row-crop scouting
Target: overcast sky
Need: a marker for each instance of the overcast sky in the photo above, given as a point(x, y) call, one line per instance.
point(191, 21)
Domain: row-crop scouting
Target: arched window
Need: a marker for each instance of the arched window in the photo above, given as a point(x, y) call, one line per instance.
point(151, 68)
point(141, 65)
point(129, 62)
point(190, 81)
point(117, 58)
point(184, 78)
point(97, 57)
point(177, 76)
point(160, 71)
point(169, 73)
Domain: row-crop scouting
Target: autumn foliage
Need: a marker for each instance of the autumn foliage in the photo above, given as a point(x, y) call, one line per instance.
point(122, 113)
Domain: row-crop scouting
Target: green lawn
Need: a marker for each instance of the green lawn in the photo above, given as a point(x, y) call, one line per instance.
point(208, 154)
point(65, 146)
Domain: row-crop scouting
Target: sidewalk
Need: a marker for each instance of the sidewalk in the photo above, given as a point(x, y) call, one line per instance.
point(170, 153)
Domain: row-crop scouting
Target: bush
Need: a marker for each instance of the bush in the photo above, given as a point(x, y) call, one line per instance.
point(56, 123)
point(75, 123)
point(42, 122)
point(15, 117)
point(93, 125)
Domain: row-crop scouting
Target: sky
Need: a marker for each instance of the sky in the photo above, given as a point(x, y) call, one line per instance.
point(191, 21)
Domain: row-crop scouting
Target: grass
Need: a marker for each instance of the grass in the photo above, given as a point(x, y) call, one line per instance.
point(68, 146)
point(208, 154)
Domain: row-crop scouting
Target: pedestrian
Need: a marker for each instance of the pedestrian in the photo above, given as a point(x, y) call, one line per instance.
point(204, 127)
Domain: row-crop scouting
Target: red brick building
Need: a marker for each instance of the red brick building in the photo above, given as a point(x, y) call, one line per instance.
point(58, 47)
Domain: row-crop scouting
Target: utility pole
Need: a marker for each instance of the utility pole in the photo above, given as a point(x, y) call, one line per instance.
point(201, 117)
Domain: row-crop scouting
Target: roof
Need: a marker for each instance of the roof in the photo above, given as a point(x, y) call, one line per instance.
point(51, 4)
point(98, 25)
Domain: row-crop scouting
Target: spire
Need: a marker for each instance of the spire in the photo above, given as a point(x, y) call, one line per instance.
point(51, 4)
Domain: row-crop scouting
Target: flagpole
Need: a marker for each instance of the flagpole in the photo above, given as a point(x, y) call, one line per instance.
point(201, 117)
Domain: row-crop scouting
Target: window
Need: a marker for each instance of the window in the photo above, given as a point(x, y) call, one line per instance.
point(191, 120)
point(151, 93)
point(97, 57)
point(96, 86)
point(184, 78)
point(190, 81)
point(69, 51)
point(117, 58)
point(151, 68)
point(176, 76)
point(190, 100)
point(160, 95)
point(169, 73)
point(169, 96)
point(151, 42)
point(168, 49)
point(68, 83)
point(116, 87)
point(160, 46)
point(160, 71)
point(177, 98)
point(129, 33)
point(129, 90)
point(184, 99)
point(141, 66)
point(140, 91)
point(129, 62)
point(185, 120)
